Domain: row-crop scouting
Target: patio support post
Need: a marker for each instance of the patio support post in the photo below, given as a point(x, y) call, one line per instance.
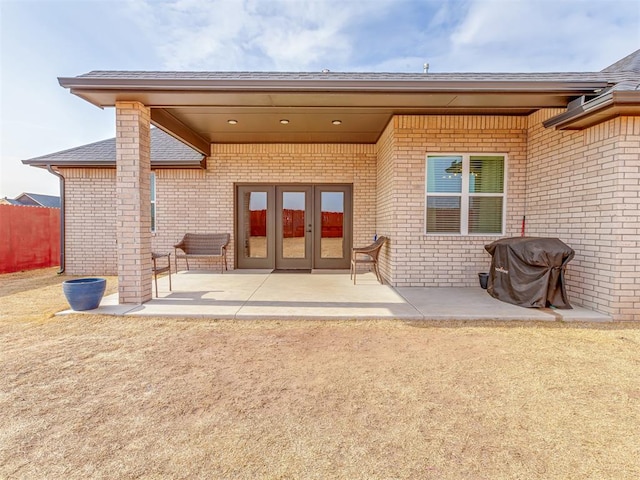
point(133, 202)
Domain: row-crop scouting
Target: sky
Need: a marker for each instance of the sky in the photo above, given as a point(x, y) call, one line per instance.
point(41, 40)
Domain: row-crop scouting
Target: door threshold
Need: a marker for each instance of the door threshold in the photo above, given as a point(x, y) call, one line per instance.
point(282, 270)
point(330, 271)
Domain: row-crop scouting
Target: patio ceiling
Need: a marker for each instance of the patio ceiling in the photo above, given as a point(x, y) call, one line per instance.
point(196, 107)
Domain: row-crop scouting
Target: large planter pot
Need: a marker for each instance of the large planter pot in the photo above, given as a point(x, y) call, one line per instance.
point(84, 293)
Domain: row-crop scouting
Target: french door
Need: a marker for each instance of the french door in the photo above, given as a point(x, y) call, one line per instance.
point(293, 227)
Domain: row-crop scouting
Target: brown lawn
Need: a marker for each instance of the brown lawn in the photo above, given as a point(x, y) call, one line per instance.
point(110, 397)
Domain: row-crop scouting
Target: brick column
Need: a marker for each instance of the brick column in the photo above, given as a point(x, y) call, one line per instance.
point(133, 203)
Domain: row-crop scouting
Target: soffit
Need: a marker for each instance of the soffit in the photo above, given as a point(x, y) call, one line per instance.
point(197, 110)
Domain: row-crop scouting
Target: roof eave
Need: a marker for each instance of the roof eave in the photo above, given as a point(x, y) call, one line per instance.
point(77, 85)
point(155, 164)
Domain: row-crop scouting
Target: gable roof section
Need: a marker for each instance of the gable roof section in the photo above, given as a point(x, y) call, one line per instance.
point(630, 63)
point(39, 199)
point(33, 200)
point(166, 152)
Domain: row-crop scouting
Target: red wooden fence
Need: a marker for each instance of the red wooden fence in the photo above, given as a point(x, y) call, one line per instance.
point(29, 238)
point(293, 223)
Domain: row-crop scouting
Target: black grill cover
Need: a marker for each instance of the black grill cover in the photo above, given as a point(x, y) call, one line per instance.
point(529, 271)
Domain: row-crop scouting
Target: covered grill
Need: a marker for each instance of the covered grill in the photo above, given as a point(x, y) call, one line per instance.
point(529, 272)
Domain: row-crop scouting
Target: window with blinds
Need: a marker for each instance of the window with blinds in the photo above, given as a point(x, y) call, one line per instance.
point(153, 202)
point(465, 194)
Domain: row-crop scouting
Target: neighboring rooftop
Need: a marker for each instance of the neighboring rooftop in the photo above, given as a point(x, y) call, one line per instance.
point(33, 200)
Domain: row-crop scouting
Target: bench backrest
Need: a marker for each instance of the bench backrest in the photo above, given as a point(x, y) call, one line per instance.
point(204, 243)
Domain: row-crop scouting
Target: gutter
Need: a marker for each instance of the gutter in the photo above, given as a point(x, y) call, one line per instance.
point(611, 100)
point(580, 111)
point(431, 83)
point(62, 219)
point(155, 165)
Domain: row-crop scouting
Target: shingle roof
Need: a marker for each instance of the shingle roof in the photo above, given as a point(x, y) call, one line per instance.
point(51, 201)
point(622, 73)
point(630, 63)
point(33, 200)
point(628, 69)
point(350, 76)
point(164, 149)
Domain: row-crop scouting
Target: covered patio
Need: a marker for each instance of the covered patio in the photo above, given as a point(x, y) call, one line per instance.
point(324, 295)
point(288, 164)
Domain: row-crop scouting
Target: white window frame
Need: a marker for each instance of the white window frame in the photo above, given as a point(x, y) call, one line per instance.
point(464, 194)
point(154, 207)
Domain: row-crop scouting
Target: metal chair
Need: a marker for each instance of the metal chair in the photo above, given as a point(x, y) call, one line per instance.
point(367, 255)
point(203, 245)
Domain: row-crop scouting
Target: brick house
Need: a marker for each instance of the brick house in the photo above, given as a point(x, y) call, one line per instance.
point(441, 163)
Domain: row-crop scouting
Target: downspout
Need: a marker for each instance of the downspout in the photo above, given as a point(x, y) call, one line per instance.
point(62, 245)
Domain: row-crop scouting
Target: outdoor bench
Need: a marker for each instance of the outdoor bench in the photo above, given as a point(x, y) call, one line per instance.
point(203, 245)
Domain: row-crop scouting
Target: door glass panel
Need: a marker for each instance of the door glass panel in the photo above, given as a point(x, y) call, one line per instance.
point(255, 228)
point(293, 224)
point(332, 220)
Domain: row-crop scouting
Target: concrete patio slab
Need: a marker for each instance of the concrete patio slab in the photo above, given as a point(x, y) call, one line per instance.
point(263, 294)
point(466, 303)
point(204, 294)
point(326, 296)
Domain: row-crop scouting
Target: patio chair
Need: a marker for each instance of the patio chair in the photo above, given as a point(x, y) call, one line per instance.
point(367, 255)
point(161, 268)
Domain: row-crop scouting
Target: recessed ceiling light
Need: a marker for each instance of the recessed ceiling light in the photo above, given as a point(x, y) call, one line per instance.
point(232, 122)
point(337, 122)
point(284, 121)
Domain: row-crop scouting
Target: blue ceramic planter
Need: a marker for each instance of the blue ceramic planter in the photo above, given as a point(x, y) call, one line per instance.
point(84, 293)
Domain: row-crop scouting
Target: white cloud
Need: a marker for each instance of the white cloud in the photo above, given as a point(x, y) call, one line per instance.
point(452, 35)
point(530, 35)
point(251, 34)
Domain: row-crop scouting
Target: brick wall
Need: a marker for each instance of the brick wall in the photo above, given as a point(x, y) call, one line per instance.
point(441, 260)
point(203, 201)
point(90, 221)
point(386, 200)
point(576, 186)
point(583, 188)
point(133, 207)
point(199, 201)
point(627, 201)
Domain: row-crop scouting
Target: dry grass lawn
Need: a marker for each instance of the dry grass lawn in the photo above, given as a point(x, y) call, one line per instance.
point(113, 397)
